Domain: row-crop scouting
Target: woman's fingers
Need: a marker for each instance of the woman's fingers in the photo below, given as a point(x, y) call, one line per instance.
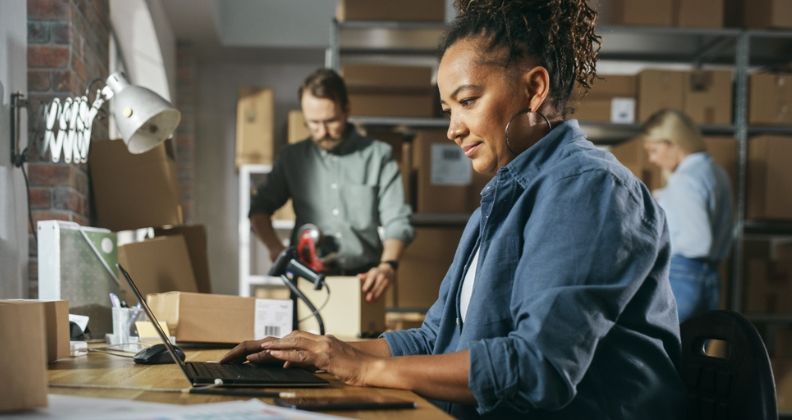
point(238, 353)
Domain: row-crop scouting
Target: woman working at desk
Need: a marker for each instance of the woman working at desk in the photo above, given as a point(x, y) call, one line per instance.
point(557, 303)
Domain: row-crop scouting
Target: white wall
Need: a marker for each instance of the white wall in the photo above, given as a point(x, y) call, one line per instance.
point(276, 23)
point(146, 43)
point(216, 183)
point(13, 202)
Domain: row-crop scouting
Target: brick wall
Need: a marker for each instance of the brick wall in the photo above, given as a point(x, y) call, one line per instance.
point(186, 97)
point(67, 49)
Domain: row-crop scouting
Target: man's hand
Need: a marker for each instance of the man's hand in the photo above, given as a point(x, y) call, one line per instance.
point(377, 280)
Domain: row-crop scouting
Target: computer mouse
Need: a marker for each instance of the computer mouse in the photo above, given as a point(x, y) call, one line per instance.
point(156, 355)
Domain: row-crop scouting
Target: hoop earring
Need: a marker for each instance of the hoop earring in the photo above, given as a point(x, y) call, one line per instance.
point(526, 112)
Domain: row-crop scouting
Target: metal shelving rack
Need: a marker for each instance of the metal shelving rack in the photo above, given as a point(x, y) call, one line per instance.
point(247, 240)
point(737, 48)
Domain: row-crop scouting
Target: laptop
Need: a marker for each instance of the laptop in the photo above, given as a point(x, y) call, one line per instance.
point(232, 375)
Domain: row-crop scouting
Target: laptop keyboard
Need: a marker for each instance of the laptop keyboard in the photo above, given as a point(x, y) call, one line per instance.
point(248, 372)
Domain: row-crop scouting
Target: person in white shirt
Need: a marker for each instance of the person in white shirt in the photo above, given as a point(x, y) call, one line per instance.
point(697, 201)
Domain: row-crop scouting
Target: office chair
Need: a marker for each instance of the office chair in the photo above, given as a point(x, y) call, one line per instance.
point(726, 369)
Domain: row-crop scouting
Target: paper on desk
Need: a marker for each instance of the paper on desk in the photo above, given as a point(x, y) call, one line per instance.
point(68, 407)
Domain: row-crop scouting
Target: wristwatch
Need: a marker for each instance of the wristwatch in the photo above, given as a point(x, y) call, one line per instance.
point(393, 263)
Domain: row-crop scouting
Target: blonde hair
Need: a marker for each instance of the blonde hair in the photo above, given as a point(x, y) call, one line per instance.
point(672, 126)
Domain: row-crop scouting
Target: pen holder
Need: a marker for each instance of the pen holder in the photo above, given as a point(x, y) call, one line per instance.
point(123, 319)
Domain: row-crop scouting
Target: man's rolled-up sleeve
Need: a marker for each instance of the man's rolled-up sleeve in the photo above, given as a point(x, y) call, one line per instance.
point(273, 193)
point(394, 213)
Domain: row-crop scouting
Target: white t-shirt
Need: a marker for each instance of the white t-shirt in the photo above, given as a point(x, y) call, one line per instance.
point(467, 286)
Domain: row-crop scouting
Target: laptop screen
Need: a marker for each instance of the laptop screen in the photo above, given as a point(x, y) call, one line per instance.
point(163, 336)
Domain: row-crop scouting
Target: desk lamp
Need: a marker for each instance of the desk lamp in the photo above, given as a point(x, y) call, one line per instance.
point(144, 120)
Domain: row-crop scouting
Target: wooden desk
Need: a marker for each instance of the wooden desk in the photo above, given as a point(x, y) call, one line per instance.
point(108, 370)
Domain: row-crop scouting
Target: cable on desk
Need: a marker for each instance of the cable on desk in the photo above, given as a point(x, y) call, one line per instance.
point(120, 387)
point(111, 352)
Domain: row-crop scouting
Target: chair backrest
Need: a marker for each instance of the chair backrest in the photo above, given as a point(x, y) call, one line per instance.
point(726, 368)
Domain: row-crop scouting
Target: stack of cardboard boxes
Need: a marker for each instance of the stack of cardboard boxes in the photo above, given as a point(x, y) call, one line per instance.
point(705, 95)
point(611, 99)
point(140, 191)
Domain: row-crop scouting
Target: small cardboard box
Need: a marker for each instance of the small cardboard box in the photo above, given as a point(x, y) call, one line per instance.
point(708, 96)
point(404, 10)
point(211, 318)
point(699, 13)
point(346, 313)
point(658, 89)
point(615, 110)
point(770, 98)
point(724, 152)
point(767, 14)
point(297, 129)
point(424, 265)
point(387, 77)
point(158, 265)
point(782, 373)
point(56, 326)
point(444, 175)
point(23, 366)
point(195, 239)
point(378, 103)
point(613, 85)
point(254, 128)
point(134, 191)
point(769, 178)
point(632, 155)
point(637, 12)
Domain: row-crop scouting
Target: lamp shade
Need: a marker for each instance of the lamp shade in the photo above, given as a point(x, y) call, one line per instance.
point(144, 118)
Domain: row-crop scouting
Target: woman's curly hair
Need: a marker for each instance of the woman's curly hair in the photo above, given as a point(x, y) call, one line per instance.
point(559, 34)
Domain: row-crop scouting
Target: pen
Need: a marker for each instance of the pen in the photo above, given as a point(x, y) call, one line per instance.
point(242, 392)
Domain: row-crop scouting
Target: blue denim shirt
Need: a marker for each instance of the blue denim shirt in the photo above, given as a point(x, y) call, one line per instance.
point(572, 315)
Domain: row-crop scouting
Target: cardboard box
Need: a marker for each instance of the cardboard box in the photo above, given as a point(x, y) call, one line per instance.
point(424, 265)
point(782, 373)
point(24, 362)
point(56, 326)
point(637, 12)
point(770, 98)
point(614, 110)
point(767, 14)
point(613, 85)
point(699, 13)
point(346, 313)
point(405, 10)
point(708, 96)
point(724, 152)
point(195, 238)
point(769, 178)
point(632, 155)
point(387, 76)
point(297, 129)
point(211, 318)
point(372, 103)
point(134, 191)
point(158, 265)
point(444, 175)
point(254, 129)
point(659, 89)
point(68, 269)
